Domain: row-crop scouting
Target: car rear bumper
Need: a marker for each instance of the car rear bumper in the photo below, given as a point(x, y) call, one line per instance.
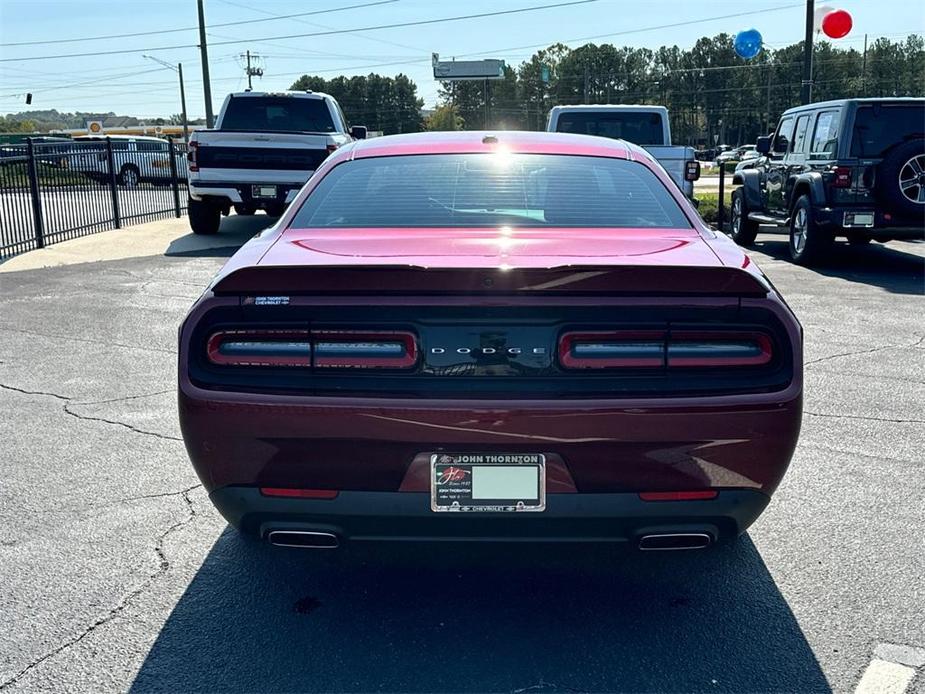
point(884, 226)
point(406, 516)
point(242, 192)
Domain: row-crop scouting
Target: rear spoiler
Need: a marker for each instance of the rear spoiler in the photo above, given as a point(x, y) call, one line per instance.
point(399, 280)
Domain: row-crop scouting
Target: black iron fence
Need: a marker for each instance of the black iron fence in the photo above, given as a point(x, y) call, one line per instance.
point(55, 191)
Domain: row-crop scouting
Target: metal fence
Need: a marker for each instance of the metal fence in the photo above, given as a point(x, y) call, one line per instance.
point(59, 190)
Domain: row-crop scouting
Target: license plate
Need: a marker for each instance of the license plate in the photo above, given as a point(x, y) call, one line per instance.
point(487, 482)
point(264, 191)
point(856, 219)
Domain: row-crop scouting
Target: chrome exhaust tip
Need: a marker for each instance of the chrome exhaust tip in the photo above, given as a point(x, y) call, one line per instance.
point(303, 538)
point(673, 541)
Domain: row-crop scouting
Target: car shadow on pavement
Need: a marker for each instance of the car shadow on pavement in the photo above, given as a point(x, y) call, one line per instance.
point(235, 231)
point(463, 618)
point(879, 265)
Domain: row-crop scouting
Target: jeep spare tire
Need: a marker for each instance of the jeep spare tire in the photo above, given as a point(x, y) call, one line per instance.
point(901, 179)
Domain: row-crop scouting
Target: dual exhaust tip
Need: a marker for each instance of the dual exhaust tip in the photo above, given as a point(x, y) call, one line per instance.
point(654, 542)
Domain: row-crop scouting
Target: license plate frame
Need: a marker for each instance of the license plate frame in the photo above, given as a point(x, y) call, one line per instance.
point(264, 192)
point(863, 220)
point(487, 482)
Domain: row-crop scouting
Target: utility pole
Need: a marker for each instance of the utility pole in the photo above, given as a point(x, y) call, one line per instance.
point(806, 91)
point(204, 56)
point(251, 71)
point(864, 70)
point(768, 120)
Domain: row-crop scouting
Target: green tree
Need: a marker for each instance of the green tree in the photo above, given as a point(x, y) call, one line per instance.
point(445, 117)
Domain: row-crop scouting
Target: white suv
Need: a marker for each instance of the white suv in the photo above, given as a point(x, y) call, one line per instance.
point(135, 159)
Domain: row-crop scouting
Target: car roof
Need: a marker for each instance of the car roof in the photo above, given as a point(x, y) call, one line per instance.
point(305, 94)
point(834, 103)
point(611, 107)
point(142, 138)
point(514, 141)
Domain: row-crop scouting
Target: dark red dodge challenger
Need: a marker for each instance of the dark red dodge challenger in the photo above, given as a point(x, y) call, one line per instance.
point(494, 337)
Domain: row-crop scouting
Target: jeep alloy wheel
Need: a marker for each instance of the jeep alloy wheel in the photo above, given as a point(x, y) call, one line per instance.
point(800, 229)
point(912, 179)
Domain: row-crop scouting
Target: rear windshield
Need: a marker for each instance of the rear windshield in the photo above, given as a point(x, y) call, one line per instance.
point(638, 128)
point(278, 113)
point(487, 190)
point(877, 128)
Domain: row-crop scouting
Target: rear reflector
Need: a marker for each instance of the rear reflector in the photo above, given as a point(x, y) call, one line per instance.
point(679, 496)
point(654, 349)
point(300, 493)
point(338, 349)
point(260, 348)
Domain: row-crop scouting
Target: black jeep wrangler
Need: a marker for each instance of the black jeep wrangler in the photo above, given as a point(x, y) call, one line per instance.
point(852, 168)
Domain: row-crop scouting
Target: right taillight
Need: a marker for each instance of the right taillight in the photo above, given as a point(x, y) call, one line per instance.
point(709, 348)
point(842, 177)
point(654, 349)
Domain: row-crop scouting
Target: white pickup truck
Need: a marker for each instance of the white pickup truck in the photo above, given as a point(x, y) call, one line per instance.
point(262, 150)
point(646, 126)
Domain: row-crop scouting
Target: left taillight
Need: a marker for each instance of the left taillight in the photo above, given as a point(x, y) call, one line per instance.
point(260, 348)
point(655, 349)
point(192, 154)
point(322, 349)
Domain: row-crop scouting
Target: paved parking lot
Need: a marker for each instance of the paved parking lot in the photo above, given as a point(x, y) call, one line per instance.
point(116, 573)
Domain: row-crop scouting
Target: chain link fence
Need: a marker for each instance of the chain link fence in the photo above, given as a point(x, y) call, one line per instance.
point(55, 191)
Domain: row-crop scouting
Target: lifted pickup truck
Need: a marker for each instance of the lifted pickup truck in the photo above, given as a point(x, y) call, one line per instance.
point(263, 149)
point(853, 168)
point(646, 126)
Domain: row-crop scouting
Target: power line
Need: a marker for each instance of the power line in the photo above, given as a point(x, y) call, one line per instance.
point(332, 32)
point(174, 31)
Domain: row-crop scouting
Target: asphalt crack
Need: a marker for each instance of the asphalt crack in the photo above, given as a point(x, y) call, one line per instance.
point(116, 422)
point(162, 567)
point(69, 402)
point(864, 351)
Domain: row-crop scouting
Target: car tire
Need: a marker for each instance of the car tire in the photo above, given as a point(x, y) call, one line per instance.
point(129, 176)
point(245, 210)
point(276, 210)
point(742, 230)
point(808, 242)
point(204, 218)
point(901, 180)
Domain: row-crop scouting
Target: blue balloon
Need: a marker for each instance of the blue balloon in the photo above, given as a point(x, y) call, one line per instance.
point(747, 43)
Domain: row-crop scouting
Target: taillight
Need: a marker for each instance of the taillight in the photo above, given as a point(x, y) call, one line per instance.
point(605, 350)
point(260, 348)
point(323, 349)
point(842, 177)
point(654, 349)
point(348, 349)
point(718, 349)
point(191, 155)
point(332, 148)
point(691, 170)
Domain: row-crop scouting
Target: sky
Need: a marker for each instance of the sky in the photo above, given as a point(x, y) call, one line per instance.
point(127, 83)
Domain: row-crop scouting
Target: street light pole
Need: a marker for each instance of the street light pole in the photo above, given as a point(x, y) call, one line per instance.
point(183, 104)
point(179, 70)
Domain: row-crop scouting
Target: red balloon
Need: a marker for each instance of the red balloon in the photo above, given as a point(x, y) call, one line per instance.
point(836, 24)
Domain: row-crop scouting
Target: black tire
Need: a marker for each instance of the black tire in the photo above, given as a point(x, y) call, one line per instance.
point(742, 230)
point(808, 242)
point(129, 176)
point(276, 210)
point(204, 218)
point(859, 239)
point(901, 180)
point(245, 210)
